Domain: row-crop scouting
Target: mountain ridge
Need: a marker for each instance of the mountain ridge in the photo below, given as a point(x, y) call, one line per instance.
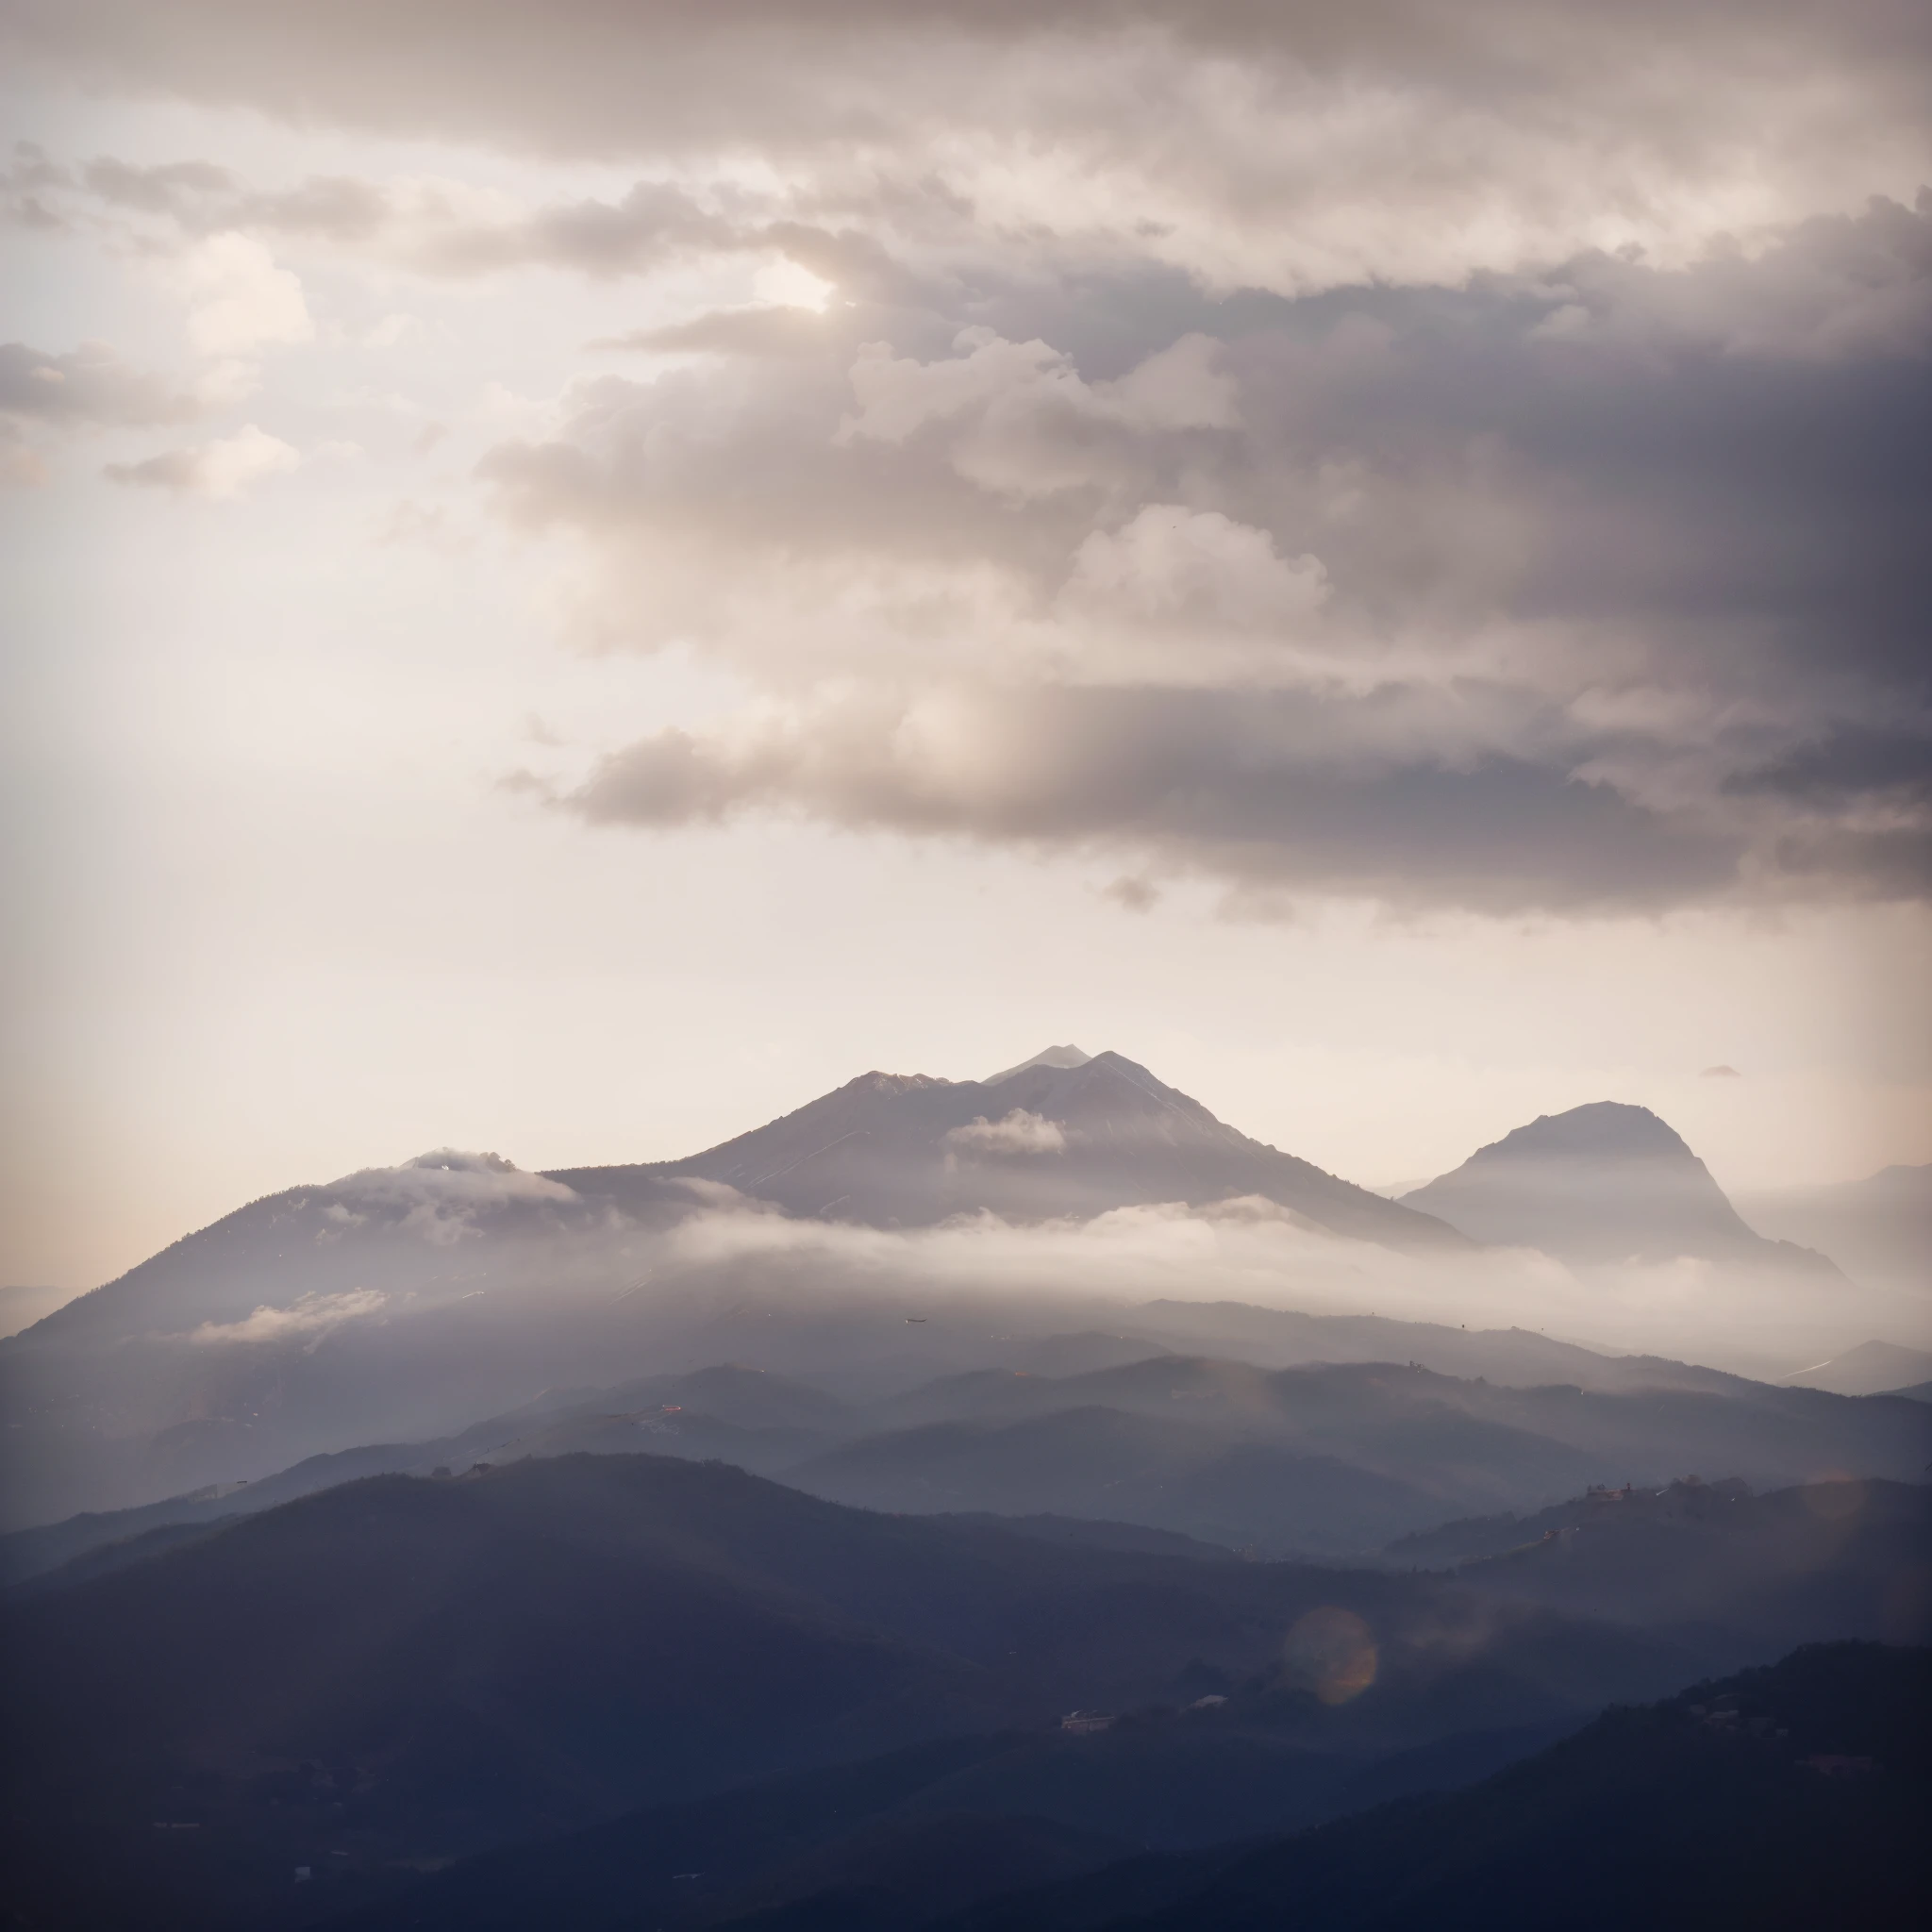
point(1040, 1141)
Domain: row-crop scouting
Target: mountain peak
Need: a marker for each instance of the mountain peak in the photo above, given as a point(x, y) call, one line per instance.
point(1061, 1056)
point(876, 1082)
point(1600, 1131)
point(1605, 1182)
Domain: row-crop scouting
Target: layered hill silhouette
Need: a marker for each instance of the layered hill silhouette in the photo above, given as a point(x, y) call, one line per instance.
point(409, 1670)
point(1602, 1184)
point(1331, 1459)
point(1040, 1140)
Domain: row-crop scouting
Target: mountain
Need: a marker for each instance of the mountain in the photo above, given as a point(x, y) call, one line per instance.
point(399, 1302)
point(21, 1307)
point(1048, 1057)
point(1878, 1229)
point(1873, 1368)
point(1604, 1183)
point(1040, 1140)
point(1092, 1461)
point(1781, 1799)
point(409, 1669)
point(1331, 1460)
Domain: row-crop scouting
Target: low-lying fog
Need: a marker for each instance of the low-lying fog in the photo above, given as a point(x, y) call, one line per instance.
point(400, 1303)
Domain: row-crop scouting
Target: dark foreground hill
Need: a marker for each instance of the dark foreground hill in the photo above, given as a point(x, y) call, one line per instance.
point(1792, 1795)
point(405, 1670)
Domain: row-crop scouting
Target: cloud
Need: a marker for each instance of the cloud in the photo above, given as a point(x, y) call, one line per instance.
point(1438, 458)
point(88, 389)
point(1720, 1073)
point(236, 297)
point(1255, 1252)
point(1287, 147)
point(1391, 594)
point(88, 386)
point(310, 1315)
point(760, 331)
point(223, 468)
point(1018, 1132)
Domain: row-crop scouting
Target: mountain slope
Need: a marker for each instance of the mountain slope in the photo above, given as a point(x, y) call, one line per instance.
point(1873, 1368)
point(1880, 1229)
point(1604, 1183)
point(1038, 1141)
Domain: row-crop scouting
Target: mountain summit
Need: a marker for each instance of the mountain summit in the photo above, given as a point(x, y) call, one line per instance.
point(1052, 1057)
point(1600, 1183)
point(1061, 1134)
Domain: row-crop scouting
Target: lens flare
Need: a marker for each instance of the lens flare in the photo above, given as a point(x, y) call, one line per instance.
point(1332, 1652)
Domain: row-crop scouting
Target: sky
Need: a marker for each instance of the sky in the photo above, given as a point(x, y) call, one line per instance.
point(575, 578)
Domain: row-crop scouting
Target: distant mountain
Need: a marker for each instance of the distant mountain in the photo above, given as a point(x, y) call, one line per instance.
point(1330, 1459)
point(1140, 1469)
point(1879, 1230)
point(1873, 1368)
point(1604, 1183)
point(1060, 1134)
point(407, 1670)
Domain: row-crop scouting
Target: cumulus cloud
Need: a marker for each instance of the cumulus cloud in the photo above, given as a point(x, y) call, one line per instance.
point(223, 468)
point(238, 298)
point(1018, 1132)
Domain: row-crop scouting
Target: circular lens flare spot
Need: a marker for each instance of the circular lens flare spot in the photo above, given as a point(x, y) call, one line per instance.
point(1332, 1652)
